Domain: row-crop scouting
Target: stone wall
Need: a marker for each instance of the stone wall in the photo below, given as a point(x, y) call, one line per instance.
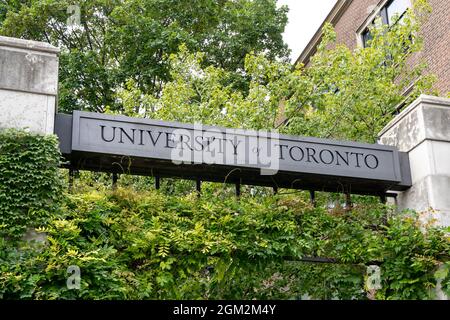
point(28, 84)
point(423, 131)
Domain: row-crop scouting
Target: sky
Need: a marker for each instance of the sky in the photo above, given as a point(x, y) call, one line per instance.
point(305, 17)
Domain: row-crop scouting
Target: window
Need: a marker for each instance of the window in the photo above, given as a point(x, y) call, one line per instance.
point(396, 8)
point(366, 36)
point(392, 12)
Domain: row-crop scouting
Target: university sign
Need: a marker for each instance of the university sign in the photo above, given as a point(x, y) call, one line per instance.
point(122, 144)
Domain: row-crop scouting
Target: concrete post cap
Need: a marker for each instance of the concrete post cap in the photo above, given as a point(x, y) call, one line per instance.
point(28, 45)
point(422, 99)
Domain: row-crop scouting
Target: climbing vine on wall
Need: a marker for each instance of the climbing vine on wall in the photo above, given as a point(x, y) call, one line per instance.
point(30, 183)
point(148, 245)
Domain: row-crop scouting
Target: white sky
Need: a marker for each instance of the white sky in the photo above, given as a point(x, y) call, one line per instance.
point(305, 17)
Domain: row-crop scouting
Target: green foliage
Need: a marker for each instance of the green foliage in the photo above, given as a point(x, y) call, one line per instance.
point(172, 244)
point(353, 94)
point(205, 95)
point(30, 184)
point(443, 276)
point(418, 250)
point(119, 41)
point(342, 94)
point(147, 245)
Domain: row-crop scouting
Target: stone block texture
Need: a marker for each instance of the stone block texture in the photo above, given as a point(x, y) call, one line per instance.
point(28, 84)
point(423, 131)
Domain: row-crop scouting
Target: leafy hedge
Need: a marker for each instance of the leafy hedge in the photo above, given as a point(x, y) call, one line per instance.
point(149, 245)
point(30, 183)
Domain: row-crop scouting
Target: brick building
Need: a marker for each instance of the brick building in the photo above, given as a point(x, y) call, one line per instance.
point(351, 19)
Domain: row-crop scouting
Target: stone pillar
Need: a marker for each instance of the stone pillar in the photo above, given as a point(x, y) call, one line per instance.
point(28, 84)
point(423, 131)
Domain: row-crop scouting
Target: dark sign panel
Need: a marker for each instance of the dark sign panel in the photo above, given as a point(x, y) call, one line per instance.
point(143, 146)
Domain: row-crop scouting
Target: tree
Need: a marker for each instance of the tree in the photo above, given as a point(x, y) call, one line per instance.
point(343, 94)
point(147, 245)
point(117, 41)
point(347, 94)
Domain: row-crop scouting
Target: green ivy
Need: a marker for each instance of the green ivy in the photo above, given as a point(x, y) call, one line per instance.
point(148, 245)
point(30, 184)
point(141, 244)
